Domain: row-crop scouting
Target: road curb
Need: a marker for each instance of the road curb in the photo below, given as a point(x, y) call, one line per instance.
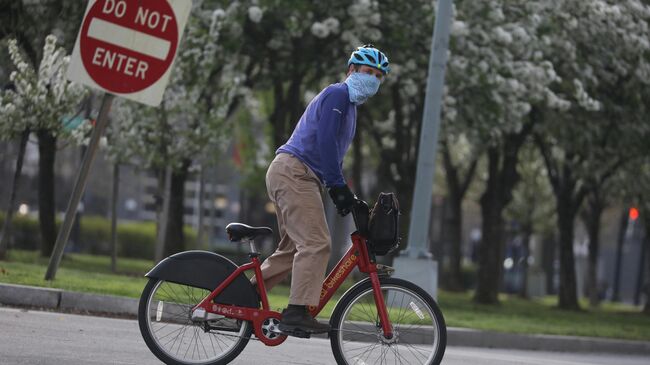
point(477, 338)
point(38, 297)
point(56, 299)
point(75, 301)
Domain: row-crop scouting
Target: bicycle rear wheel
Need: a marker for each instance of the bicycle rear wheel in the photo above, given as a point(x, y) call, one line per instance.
point(420, 333)
point(164, 316)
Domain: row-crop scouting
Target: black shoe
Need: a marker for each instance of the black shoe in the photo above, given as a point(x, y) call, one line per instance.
point(297, 321)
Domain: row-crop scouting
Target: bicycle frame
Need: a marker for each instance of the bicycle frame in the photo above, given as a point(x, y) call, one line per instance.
point(356, 256)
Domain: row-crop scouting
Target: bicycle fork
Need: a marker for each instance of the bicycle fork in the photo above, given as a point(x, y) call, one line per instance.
point(381, 305)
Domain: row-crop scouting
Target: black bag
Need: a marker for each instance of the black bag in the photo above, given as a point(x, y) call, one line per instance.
point(383, 226)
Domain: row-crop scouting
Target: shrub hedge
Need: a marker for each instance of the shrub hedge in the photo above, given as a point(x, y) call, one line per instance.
point(134, 239)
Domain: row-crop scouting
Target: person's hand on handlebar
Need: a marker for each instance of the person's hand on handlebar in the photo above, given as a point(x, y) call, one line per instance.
point(343, 198)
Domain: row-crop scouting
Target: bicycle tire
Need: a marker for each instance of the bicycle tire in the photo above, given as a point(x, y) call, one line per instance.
point(348, 321)
point(180, 317)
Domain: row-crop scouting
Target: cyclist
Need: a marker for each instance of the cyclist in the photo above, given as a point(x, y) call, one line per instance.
point(310, 159)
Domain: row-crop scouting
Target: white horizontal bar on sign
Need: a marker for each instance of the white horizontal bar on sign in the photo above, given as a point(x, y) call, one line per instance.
point(129, 38)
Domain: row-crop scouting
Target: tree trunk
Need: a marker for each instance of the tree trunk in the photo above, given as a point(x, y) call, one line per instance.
point(566, 215)
point(174, 237)
point(6, 229)
point(287, 107)
point(527, 233)
point(490, 250)
point(622, 228)
point(502, 179)
point(455, 227)
point(201, 216)
point(457, 187)
point(164, 184)
point(549, 253)
point(591, 219)
point(46, 205)
point(568, 198)
point(114, 198)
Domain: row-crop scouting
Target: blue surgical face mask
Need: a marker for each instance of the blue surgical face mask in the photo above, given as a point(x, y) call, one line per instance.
point(361, 86)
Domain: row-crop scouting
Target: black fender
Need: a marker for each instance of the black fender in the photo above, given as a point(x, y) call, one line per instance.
point(206, 270)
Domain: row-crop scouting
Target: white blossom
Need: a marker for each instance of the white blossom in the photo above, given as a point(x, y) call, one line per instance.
point(410, 88)
point(320, 30)
point(459, 28)
point(308, 96)
point(332, 25)
point(554, 102)
point(41, 98)
point(375, 19)
point(502, 35)
point(255, 14)
point(583, 98)
point(190, 122)
point(496, 15)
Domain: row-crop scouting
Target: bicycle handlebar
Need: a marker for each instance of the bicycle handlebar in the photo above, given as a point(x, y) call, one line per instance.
point(361, 214)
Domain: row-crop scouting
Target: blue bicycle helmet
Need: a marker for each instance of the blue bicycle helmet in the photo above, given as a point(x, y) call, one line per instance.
point(370, 56)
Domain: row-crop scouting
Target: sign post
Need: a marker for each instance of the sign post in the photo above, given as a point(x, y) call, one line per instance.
point(79, 187)
point(125, 48)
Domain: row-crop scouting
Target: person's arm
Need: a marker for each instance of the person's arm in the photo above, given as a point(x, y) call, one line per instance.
point(332, 116)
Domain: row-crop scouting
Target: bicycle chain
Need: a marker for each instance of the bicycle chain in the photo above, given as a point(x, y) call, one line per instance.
point(283, 334)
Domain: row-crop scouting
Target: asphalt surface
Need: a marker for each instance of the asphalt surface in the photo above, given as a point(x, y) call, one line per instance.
point(34, 337)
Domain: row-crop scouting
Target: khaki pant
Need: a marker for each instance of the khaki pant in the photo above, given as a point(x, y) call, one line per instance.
point(304, 246)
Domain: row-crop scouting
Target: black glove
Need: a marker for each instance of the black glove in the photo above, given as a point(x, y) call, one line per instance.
point(343, 198)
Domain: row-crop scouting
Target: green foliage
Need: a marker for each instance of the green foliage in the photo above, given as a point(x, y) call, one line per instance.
point(254, 159)
point(134, 239)
point(26, 233)
point(137, 239)
point(532, 205)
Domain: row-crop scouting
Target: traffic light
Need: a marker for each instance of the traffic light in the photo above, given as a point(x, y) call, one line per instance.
point(633, 214)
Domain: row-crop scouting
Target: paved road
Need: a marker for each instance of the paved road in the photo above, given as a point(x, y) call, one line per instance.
point(32, 337)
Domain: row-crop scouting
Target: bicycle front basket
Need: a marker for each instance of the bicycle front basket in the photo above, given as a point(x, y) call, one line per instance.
point(383, 226)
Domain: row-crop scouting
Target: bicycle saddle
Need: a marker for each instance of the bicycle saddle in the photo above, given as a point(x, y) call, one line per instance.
point(239, 232)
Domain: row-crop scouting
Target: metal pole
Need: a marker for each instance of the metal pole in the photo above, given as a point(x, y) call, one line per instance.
point(79, 187)
point(421, 211)
point(624, 222)
point(645, 242)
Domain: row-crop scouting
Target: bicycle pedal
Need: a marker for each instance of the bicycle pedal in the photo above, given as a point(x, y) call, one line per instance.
point(385, 270)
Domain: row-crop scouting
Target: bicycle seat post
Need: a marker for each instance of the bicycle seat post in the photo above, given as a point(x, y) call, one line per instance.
point(253, 252)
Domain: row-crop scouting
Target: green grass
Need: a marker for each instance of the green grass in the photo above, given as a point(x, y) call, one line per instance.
point(542, 316)
point(84, 273)
point(88, 273)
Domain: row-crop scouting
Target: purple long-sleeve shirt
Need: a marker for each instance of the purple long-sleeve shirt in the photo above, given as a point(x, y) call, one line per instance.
point(324, 134)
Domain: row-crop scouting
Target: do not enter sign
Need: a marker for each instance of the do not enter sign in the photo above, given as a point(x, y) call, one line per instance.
point(127, 47)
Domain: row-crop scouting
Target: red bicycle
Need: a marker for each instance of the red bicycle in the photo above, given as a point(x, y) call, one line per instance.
point(199, 308)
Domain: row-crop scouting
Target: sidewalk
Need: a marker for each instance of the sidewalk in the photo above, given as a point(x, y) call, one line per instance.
point(61, 300)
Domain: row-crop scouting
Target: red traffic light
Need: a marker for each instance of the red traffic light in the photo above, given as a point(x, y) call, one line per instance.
point(634, 213)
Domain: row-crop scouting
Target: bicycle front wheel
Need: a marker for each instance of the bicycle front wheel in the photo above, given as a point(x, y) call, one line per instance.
point(419, 330)
point(166, 324)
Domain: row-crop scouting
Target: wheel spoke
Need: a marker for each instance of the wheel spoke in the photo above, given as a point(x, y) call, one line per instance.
point(168, 323)
point(360, 339)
